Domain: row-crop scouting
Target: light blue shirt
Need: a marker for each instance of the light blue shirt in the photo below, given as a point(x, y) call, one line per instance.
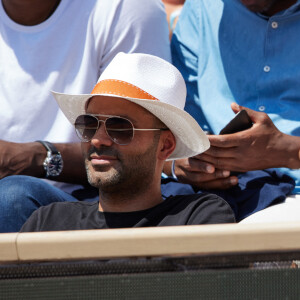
point(227, 53)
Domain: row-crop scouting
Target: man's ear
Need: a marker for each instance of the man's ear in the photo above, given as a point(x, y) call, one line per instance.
point(166, 146)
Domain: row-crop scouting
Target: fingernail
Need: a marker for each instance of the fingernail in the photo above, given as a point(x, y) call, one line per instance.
point(210, 169)
point(226, 173)
point(233, 180)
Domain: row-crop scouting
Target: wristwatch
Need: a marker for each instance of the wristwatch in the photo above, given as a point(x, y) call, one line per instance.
point(53, 163)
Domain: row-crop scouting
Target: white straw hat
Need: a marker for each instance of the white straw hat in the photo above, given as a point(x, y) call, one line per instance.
point(152, 83)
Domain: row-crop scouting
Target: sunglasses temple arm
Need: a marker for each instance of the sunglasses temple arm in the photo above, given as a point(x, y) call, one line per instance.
point(154, 129)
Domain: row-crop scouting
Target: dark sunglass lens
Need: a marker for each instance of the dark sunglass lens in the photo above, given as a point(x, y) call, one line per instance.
point(86, 127)
point(120, 130)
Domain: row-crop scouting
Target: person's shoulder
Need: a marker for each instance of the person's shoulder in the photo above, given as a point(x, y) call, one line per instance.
point(205, 208)
point(139, 2)
point(56, 207)
point(128, 13)
point(56, 215)
point(199, 197)
point(132, 4)
point(200, 6)
point(144, 9)
point(70, 204)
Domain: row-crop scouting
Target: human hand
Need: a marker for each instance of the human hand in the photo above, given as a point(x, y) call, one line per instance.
point(260, 147)
point(203, 175)
point(21, 158)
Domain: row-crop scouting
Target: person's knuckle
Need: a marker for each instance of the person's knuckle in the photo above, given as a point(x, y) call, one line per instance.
point(218, 163)
point(214, 151)
point(264, 118)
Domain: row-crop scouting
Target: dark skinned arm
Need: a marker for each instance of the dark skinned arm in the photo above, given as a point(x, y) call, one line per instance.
point(260, 147)
point(28, 158)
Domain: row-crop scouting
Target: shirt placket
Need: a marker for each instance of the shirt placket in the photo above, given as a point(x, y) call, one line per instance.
point(267, 65)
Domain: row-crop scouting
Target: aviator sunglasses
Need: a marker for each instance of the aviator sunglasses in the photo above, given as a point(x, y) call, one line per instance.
point(120, 130)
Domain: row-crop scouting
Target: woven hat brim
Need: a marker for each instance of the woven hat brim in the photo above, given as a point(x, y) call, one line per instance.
point(190, 138)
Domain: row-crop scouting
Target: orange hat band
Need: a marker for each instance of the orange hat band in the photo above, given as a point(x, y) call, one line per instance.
point(121, 88)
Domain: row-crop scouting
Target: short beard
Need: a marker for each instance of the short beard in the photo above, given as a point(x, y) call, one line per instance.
point(101, 178)
point(266, 9)
point(134, 175)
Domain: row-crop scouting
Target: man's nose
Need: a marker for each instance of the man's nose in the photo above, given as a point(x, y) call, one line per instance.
point(101, 137)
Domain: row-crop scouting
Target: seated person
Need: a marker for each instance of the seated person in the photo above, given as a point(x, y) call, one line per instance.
point(131, 123)
point(234, 55)
point(63, 46)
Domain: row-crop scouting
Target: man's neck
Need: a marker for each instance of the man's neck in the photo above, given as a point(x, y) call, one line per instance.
point(29, 12)
point(129, 202)
point(279, 6)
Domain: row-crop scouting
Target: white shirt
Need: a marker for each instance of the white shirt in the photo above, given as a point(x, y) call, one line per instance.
point(67, 53)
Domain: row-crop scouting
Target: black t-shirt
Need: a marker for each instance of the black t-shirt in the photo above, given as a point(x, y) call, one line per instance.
point(178, 210)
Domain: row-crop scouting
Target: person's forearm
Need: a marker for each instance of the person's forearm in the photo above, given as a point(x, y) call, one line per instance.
point(292, 146)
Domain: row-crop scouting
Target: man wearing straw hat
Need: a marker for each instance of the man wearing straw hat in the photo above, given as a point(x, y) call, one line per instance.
point(130, 124)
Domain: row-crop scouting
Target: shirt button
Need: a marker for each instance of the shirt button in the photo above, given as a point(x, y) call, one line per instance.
point(274, 25)
point(267, 68)
point(262, 108)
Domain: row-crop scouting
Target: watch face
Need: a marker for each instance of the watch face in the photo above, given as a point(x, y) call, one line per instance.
point(54, 165)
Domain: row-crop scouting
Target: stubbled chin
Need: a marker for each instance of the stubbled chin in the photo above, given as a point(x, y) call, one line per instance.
point(101, 175)
point(255, 9)
point(252, 6)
